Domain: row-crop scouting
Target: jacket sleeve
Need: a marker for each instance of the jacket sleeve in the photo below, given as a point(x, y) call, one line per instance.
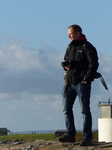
point(93, 64)
point(66, 57)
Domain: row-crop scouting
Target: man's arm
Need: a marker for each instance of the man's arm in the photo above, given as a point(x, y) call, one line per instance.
point(92, 58)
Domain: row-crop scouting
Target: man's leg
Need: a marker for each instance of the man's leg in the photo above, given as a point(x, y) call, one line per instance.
point(83, 91)
point(68, 101)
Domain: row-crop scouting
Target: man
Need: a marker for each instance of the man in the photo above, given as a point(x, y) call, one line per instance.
point(82, 60)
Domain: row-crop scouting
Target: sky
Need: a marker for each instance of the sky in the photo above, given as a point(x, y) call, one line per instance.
point(33, 41)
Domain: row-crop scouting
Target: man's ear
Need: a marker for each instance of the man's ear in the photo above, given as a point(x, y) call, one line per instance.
point(78, 35)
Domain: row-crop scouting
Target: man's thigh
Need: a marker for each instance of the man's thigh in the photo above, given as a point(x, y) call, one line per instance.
point(69, 98)
point(84, 97)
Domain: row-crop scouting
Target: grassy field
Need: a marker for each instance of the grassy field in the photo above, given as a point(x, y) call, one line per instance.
point(50, 136)
point(79, 136)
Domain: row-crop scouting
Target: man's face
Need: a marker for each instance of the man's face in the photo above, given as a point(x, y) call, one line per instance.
point(72, 35)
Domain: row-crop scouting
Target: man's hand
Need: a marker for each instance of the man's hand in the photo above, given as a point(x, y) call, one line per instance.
point(83, 82)
point(67, 67)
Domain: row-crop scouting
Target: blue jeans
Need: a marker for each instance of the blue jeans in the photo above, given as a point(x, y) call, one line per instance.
point(83, 93)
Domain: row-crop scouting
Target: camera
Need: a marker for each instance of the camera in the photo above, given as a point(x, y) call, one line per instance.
point(65, 63)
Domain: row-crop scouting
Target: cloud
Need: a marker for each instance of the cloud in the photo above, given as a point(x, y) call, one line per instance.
point(106, 64)
point(19, 59)
point(31, 70)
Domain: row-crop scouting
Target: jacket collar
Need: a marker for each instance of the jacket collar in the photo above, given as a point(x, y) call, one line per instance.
point(82, 39)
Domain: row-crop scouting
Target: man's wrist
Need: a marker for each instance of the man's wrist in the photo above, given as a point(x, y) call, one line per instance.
point(83, 82)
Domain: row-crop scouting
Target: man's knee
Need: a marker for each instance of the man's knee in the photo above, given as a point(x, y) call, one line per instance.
point(86, 112)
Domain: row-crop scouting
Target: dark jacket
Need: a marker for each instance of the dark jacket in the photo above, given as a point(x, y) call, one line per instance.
point(84, 58)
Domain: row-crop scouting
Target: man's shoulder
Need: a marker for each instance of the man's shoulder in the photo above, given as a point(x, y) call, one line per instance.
point(91, 50)
point(89, 45)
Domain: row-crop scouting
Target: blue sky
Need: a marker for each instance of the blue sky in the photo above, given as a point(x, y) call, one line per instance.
point(33, 40)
